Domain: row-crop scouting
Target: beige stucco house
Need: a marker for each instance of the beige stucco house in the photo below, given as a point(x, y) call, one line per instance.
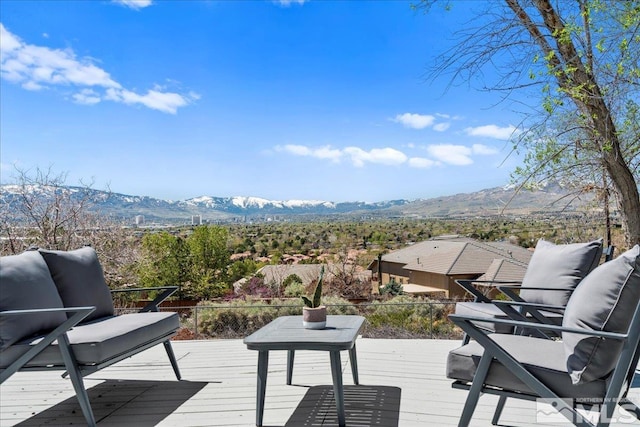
point(432, 266)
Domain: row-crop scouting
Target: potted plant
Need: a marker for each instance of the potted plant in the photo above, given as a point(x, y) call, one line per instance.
point(314, 314)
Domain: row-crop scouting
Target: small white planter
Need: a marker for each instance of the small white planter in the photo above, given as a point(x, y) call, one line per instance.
point(314, 318)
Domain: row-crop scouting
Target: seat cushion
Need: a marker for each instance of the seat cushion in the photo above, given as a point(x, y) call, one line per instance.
point(80, 280)
point(483, 309)
point(605, 301)
point(542, 358)
point(102, 339)
point(25, 283)
point(559, 267)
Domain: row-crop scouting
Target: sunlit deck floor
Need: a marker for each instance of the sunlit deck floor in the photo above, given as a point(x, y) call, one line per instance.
point(402, 384)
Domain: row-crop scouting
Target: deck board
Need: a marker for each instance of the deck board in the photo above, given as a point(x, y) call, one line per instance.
point(404, 378)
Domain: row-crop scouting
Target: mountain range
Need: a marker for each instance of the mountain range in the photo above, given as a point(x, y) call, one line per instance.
point(493, 201)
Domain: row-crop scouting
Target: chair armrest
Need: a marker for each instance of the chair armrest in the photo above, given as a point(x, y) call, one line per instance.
point(87, 310)
point(530, 305)
point(167, 291)
point(469, 285)
point(508, 291)
point(79, 313)
point(466, 323)
point(531, 309)
point(536, 288)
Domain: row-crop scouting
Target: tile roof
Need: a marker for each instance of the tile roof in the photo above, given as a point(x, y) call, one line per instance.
point(307, 272)
point(459, 256)
point(503, 270)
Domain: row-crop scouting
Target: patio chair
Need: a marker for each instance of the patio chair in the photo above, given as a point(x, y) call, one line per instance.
point(56, 313)
point(552, 274)
point(592, 367)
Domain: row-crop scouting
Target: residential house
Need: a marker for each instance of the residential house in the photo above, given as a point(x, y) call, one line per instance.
point(431, 267)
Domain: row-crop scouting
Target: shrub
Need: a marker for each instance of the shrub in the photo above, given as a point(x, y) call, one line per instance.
point(392, 288)
point(408, 317)
point(337, 305)
point(295, 289)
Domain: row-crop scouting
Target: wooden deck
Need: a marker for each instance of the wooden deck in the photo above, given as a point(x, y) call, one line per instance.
point(402, 384)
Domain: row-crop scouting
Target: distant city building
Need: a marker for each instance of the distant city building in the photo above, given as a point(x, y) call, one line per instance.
point(139, 219)
point(196, 220)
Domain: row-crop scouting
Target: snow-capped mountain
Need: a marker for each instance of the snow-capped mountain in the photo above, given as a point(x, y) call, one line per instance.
point(491, 201)
point(241, 202)
point(208, 207)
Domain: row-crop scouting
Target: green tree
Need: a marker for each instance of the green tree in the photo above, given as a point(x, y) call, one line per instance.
point(164, 260)
point(583, 55)
point(208, 254)
point(392, 288)
point(242, 268)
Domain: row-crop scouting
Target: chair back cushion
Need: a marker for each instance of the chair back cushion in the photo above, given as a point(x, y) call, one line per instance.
point(605, 301)
point(80, 280)
point(25, 283)
point(560, 267)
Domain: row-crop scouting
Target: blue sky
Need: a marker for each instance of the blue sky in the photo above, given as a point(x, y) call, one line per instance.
point(314, 100)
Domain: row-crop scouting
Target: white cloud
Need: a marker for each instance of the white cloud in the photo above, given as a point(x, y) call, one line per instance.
point(492, 131)
point(325, 153)
point(86, 96)
point(31, 86)
point(298, 150)
point(458, 155)
point(38, 67)
point(385, 156)
point(287, 3)
point(483, 149)
point(357, 156)
point(441, 127)
point(328, 153)
point(134, 4)
point(414, 121)
point(162, 101)
point(421, 162)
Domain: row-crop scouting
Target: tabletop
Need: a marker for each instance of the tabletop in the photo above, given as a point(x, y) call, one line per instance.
point(287, 333)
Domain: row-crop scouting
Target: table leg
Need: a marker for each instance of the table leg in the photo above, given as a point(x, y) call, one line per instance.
point(338, 389)
point(354, 364)
point(263, 368)
point(290, 356)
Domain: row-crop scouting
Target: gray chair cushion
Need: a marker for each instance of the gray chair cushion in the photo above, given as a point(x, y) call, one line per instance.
point(101, 340)
point(605, 301)
point(80, 280)
point(543, 358)
point(559, 267)
point(25, 283)
point(483, 309)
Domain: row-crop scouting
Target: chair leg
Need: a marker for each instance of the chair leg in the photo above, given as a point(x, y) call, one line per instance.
point(290, 357)
point(353, 358)
point(263, 370)
point(475, 390)
point(338, 386)
point(76, 379)
point(498, 412)
point(172, 359)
